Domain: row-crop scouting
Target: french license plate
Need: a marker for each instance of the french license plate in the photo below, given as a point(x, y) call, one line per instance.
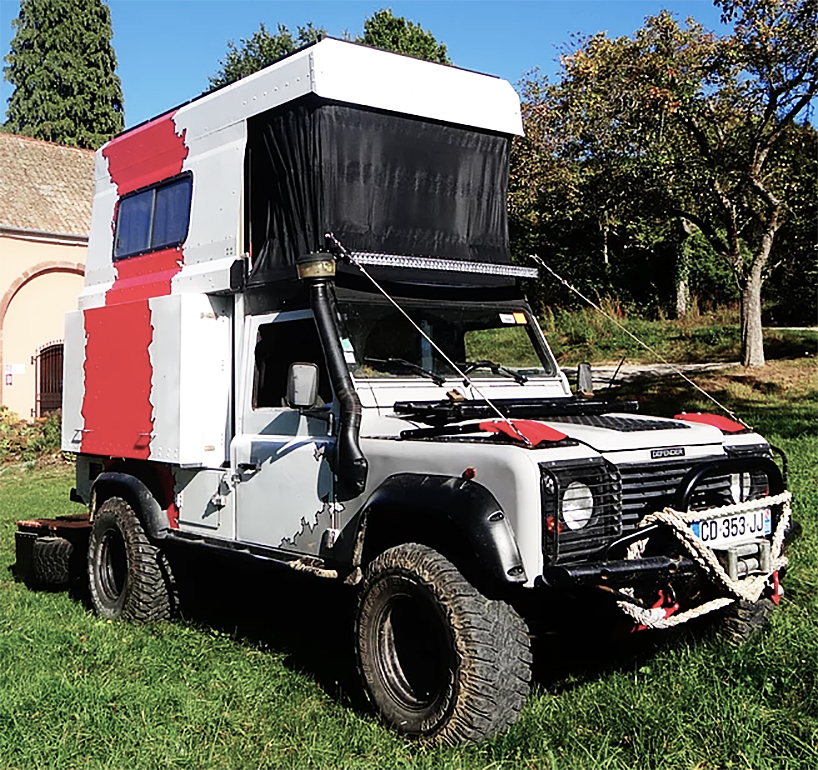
point(738, 528)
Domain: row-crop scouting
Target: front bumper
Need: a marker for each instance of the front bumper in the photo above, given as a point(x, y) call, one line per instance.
point(620, 573)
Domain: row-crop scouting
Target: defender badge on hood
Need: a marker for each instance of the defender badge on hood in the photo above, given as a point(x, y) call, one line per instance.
point(674, 451)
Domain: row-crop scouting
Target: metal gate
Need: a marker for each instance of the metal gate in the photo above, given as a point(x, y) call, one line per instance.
point(48, 378)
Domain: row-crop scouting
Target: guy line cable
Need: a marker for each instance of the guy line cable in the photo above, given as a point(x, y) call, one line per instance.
point(647, 347)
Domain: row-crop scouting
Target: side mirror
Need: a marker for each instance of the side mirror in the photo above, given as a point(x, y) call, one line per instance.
point(302, 385)
point(585, 385)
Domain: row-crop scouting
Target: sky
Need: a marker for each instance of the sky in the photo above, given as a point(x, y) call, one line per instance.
point(167, 48)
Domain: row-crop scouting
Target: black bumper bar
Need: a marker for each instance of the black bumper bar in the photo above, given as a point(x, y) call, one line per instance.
point(620, 573)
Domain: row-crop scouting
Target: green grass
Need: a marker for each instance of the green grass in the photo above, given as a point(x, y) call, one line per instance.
point(259, 674)
point(585, 335)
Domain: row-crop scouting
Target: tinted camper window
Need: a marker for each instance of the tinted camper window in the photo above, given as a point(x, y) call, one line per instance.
point(153, 218)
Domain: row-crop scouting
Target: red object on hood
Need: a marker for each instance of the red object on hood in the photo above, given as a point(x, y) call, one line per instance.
point(535, 432)
point(716, 420)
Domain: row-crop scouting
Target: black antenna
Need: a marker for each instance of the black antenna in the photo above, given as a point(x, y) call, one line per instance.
point(610, 384)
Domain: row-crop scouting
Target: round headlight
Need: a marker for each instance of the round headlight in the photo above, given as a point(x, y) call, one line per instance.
point(577, 505)
point(740, 486)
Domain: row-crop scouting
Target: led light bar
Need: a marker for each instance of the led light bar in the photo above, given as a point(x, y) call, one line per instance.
point(447, 265)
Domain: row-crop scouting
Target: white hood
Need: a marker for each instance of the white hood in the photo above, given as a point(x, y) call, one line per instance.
point(627, 432)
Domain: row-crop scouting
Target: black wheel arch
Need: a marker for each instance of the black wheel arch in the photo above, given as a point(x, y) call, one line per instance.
point(457, 517)
point(136, 492)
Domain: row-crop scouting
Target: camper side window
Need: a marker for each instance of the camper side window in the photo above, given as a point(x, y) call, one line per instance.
point(153, 218)
point(278, 345)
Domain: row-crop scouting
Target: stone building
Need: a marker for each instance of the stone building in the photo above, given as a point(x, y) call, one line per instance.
point(45, 215)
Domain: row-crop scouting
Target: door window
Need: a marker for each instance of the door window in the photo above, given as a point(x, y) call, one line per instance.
point(279, 344)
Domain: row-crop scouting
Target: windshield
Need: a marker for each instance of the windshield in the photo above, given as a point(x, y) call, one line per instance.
point(485, 341)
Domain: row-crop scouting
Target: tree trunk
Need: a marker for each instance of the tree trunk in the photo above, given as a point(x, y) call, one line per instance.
point(752, 338)
point(681, 298)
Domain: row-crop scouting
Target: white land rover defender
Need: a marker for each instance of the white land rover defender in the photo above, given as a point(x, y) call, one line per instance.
point(301, 340)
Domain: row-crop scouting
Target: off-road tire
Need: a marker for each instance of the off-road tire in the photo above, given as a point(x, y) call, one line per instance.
point(742, 620)
point(128, 576)
point(438, 660)
point(51, 562)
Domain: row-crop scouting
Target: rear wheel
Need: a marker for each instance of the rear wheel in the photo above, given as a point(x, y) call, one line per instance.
point(128, 576)
point(438, 659)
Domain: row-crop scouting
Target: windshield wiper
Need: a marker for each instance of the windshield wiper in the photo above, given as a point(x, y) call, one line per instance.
point(387, 364)
point(470, 366)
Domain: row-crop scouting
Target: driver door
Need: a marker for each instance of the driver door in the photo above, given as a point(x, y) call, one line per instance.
point(280, 458)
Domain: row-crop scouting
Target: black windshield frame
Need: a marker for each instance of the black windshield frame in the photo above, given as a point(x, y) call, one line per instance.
point(445, 321)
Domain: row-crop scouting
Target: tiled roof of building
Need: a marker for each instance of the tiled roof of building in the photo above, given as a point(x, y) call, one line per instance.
point(45, 186)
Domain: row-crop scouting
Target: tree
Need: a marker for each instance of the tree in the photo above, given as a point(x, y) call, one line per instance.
point(394, 33)
point(794, 274)
point(261, 50)
point(699, 122)
point(63, 70)
point(381, 30)
point(582, 210)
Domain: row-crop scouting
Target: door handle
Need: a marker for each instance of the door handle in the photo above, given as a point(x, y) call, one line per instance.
point(248, 467)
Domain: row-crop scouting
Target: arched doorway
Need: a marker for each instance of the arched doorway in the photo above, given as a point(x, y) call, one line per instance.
point(32, 315)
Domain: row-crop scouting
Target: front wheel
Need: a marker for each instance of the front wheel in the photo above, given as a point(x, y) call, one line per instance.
point(128, 576)
point(741, 621)
point(438, 659)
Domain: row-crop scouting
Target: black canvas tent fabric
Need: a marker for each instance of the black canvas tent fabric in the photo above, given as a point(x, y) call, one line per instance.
point(379, 182)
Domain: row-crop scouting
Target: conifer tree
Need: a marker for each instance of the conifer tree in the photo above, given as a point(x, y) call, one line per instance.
point(63, 70)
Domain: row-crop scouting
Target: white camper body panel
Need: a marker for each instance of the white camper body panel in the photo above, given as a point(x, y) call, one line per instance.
point(73, 381)
point(191, 362)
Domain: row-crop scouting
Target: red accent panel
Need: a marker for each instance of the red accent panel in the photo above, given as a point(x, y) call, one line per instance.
point(146, 155)
point(144, 277)
point(534, 431)
point(716, 420)
point(117, 405)
point(116, 408)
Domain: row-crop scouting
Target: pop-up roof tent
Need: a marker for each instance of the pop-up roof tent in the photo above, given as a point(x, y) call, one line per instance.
point(380, 182)
point(390, 187)
point(402, 160)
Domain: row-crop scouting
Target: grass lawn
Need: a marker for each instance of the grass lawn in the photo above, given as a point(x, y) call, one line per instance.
point(259, 673)
point(585, 335)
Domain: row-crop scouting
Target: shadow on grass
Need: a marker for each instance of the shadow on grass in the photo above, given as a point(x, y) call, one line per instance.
point(583, 640)
point(310, 621)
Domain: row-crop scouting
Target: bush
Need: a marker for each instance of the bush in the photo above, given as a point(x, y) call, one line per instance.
point(24, 441)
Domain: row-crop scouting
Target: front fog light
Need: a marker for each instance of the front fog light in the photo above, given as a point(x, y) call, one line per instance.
point(577, 505)
point(740, 486)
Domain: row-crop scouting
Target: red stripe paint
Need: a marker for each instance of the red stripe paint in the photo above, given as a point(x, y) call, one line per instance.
point(117, 407)
point(146, 155)
point(143, 277)
point(535, 432)
point(724, 424)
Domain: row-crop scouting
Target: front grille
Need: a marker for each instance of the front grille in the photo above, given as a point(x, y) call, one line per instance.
point(622, 496)
point(649, 487)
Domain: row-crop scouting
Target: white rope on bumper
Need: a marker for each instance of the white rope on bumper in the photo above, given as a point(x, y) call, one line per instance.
point(749, 588)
